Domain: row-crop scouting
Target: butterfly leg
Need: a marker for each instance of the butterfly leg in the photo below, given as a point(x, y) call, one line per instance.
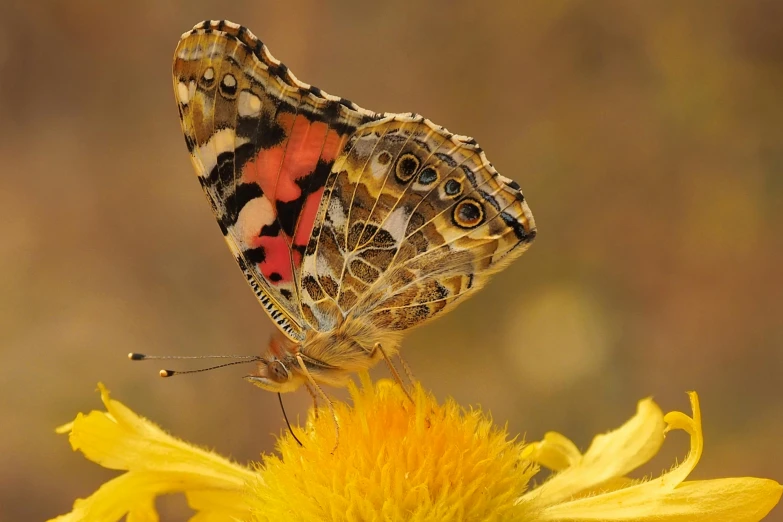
point(324, 397)
point(406, 369)
point(312, 393)
point(393, 370)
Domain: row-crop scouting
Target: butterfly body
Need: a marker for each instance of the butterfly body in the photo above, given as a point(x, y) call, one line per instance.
point(351, 226)
point(330, 358)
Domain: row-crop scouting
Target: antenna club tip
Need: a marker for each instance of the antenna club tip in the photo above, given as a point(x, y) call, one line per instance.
point(166, 373)
point(133, 356)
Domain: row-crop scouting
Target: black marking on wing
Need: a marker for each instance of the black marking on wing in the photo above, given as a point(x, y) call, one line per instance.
point(519, 230)
point(469, 174)
point(221, 176)
point(265, 131)
point(241, 32)
point(281, 71)
point(270, 230)
point(288, 211)
point(490, 199)
point(447, 159)
point(223, 172)
point(255, 255)
point(513, 184)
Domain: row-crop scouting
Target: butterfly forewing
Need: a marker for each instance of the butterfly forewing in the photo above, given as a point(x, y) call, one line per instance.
point(263, 145)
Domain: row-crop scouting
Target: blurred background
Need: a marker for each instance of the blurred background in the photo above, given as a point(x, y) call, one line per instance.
point(647, 137)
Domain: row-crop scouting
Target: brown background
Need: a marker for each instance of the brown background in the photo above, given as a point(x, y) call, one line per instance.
point(646, 135)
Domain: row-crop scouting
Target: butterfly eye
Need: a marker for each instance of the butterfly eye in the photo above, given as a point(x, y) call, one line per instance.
point(428, 176)
point(276, 371)
point(407, 166)
point(228, 86)
point(468, 213)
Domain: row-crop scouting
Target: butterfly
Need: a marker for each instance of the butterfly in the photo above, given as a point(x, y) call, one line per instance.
point(350, 226)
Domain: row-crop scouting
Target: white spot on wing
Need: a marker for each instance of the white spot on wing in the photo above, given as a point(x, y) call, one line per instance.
point(254, 215)
point(182, 93)
point(249, 104)
point(322, 267)
point(229, 80)
point(336, 213)
point(396, 224)
point(378, 169)
point(224, 140)
point(190, 53)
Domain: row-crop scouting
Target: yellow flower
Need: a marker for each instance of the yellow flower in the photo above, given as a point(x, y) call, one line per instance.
point(396, 461)
point(156, 463)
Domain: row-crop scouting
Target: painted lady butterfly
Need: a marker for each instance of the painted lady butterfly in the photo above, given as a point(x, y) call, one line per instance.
point(351, 226)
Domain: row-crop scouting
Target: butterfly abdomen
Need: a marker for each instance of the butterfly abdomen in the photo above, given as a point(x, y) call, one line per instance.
point(349, 347)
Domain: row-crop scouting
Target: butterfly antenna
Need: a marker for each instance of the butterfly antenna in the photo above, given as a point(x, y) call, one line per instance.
point(171, 373)
point(290, 430)
point(134, 356)
point(242, 359)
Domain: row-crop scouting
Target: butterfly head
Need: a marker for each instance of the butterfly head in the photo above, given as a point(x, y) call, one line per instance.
point(275, 375)
point(276, 370)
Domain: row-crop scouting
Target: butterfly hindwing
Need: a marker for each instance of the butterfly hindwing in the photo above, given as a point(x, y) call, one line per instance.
point(414, 219)
point(263, 145)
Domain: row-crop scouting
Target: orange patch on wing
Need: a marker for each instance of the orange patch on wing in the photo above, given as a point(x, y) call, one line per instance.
point(304, 148)
point(276, 169)
point(277, 258)
point(307, 217)
point(333, 144)
point(263, 169)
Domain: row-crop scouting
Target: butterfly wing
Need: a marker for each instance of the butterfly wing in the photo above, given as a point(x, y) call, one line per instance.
point(263, 145)
point(413, 220)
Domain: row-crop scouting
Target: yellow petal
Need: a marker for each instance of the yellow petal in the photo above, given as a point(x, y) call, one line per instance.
point(121, 439)
point(157, 464)
point(212, 505)
point(555, 452)
point(676, 420)
point(65, 428)
point(130, 493)
point(610, 456)
point(732, 499)
point(668, 498)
